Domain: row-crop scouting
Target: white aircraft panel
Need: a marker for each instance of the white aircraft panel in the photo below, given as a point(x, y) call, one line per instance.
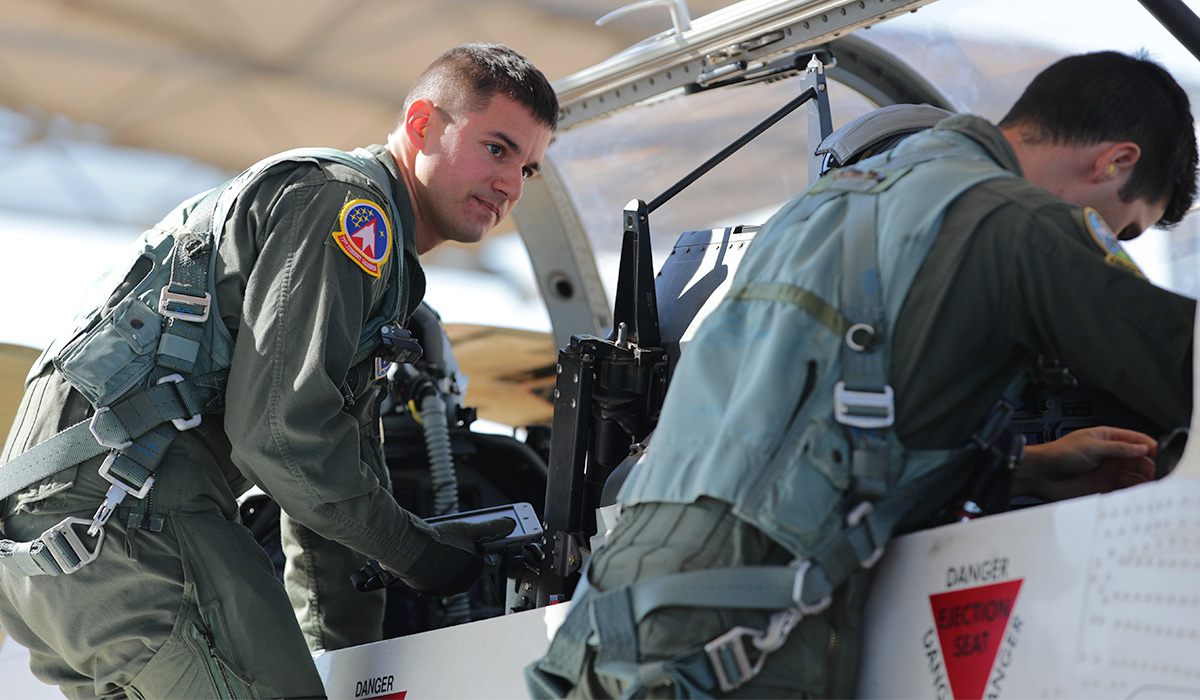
point(482, 659)
point(1089, 598)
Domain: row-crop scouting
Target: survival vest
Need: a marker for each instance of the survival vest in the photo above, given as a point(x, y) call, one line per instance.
point(791, 393)
point(152, 356)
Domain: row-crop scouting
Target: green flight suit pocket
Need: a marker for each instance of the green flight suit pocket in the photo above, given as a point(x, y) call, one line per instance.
point(805, 501)
point(113, 356)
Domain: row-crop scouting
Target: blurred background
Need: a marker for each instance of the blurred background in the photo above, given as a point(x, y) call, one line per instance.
point(113, 111)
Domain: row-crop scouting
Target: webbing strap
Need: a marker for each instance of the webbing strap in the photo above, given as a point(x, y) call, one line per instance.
point(611, 615)
point(864, 400)
point(59, 550)
point(567, 654)
point(118, 425)
point(735, 588)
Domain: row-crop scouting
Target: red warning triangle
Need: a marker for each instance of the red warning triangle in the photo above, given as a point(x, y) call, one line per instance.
point(970, 624)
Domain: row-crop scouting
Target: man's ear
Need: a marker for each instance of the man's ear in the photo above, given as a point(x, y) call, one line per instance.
point(1116, 160)
point(416, 122)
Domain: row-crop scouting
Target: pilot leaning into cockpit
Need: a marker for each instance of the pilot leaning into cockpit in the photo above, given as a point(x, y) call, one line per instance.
point(837, 394)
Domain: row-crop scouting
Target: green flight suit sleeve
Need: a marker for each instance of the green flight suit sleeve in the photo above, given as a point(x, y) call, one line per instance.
point(1024, 281)
point(1114, 329)
point(304, 305)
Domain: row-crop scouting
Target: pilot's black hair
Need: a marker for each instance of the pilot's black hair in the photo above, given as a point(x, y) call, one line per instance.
point(1110, 96)
point(465, 78)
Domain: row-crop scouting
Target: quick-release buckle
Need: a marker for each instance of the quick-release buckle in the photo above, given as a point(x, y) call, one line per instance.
point(861, 511)
point(181, 424)
point(116, 494)
point(64, 532)
point(864, 409)
point(730, 646)
point(798, 592)
point(94, 428)
point(166, 297)
point(105, 473)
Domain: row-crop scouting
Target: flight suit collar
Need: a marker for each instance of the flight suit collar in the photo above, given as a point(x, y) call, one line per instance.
point(408, 220)
point(414, 276)
point(987, 135)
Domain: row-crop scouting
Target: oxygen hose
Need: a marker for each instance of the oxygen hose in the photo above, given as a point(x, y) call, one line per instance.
point(445, 481)
point(441, 461)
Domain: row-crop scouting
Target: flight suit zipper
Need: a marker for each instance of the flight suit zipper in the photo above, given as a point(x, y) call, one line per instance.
point(217, 666)
point(147, 520)
point(832, 651)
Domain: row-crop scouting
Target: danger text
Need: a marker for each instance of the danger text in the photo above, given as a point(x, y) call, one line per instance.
point(979, 572)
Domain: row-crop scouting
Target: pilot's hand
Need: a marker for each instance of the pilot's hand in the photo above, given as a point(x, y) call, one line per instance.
point(1090, 460)
point(453, 560)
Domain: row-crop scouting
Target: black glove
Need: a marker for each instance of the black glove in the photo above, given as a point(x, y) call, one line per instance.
point(453, 561)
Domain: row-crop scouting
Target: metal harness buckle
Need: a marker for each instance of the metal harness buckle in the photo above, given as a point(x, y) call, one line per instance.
point(864, 409)
point(798, 592)
point(167, 297)
point(93, 427)
point(861, 511)
point(730, 645)
point(181, 424)
point(116, 494)
point(64, 532)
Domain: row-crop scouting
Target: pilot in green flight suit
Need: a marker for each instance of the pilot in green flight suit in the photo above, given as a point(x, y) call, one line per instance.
point(311, 253)
point(838, 383)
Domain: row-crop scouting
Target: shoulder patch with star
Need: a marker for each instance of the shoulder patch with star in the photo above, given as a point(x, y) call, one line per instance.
point(1114, 254)
point(365, 235)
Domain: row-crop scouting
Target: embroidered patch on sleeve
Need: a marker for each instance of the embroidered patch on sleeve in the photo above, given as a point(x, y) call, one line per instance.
point(381, 368)
point(1114, 254)
point(364, 235)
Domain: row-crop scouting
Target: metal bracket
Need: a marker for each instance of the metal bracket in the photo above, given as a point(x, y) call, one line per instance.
point(181, 424)
point(167, 297)
point(63, 531)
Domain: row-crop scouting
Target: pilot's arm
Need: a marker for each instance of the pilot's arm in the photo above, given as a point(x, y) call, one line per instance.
point(303, 308)
point(1090, 460)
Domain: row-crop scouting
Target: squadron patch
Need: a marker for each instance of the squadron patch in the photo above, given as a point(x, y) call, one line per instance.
point(1114, 254)
point(365, 235)
point(381, 368)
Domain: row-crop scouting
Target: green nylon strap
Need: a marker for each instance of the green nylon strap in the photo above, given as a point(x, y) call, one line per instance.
point(23, 557)
point(165, 403)
point(567, 654)
point(179, 346)
point(865, 369)
point(192, 250)
point(846, 552)
point(611, 617)
point(735, 588)
point(862, 296)
point(821, 310)
point(771, 587)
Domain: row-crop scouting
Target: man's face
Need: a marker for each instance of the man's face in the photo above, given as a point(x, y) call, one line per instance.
point(473, 168)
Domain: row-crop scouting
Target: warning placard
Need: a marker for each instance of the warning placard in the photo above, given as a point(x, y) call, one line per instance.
point(970, 624)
